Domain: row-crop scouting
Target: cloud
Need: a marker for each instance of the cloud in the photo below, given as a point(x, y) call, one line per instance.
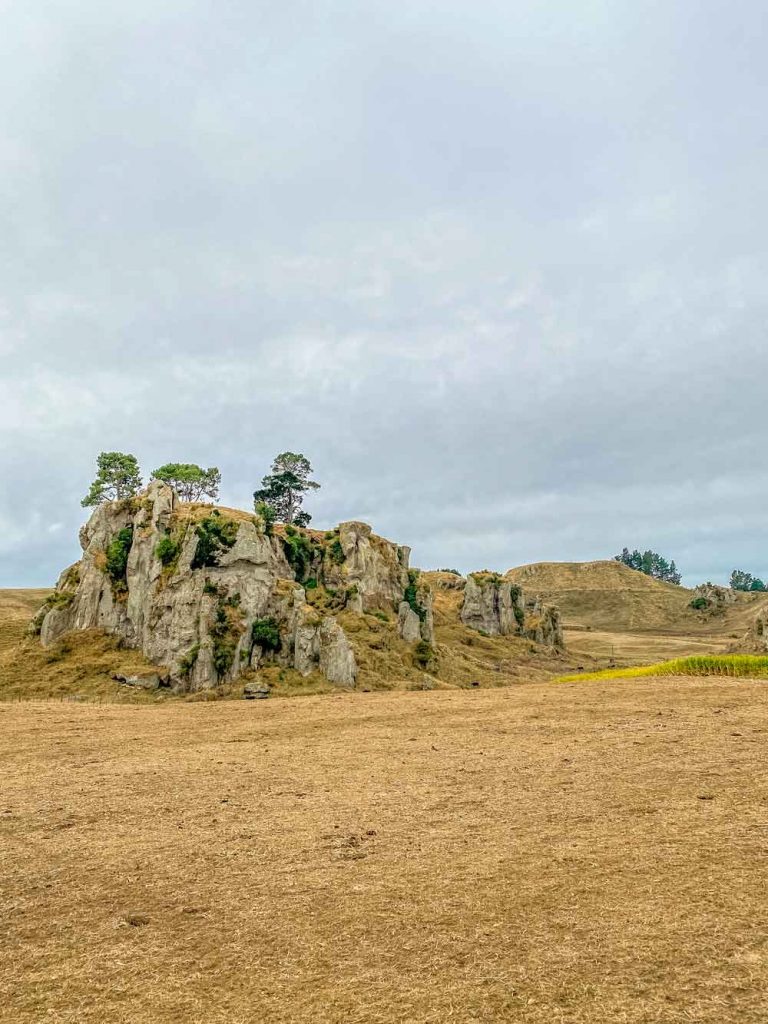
point(499, 270)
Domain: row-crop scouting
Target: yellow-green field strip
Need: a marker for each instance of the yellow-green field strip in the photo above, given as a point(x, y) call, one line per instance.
point(736, 665)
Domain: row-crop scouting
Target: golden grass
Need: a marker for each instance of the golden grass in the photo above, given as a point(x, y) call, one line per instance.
point(539, 854)
point(734, 665)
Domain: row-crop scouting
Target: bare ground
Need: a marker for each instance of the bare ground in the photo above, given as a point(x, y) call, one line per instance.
point(542, 853)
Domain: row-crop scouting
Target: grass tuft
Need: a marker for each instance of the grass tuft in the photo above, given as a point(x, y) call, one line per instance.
point(752, 666)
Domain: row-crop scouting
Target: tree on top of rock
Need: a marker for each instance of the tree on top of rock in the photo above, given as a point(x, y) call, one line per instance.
point(282, 491)
point(191, 482)
point(117, 477)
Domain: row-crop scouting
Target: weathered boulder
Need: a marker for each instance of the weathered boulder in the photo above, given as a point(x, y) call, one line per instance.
point(408, 623)
point(374, 569)
point(143, 680)
point(498, 607)
point(415, 619)
point(543, 624)
point(493, 605)
point(712, 598)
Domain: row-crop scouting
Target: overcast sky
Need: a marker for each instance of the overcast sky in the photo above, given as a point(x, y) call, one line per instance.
point(497, 268)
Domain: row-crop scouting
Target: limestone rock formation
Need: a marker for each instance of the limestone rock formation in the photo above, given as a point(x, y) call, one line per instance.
point(208, 593)
point(712, 598)
point(492, 605)
point(498, 607)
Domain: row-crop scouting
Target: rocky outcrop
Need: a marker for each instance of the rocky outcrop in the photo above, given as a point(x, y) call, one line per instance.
point(492, 605)
point(498, 607)
point(415, 619)
point(712, 598)
point(543, 624)
point(208, 593)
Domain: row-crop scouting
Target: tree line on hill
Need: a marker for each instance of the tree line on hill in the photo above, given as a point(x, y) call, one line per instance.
point(651, 563)
point(279, 499)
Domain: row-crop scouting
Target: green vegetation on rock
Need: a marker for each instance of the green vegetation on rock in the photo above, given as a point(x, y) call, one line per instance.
point(117, 561)
point(216, 534)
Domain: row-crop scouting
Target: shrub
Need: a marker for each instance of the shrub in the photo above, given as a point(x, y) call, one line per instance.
point(423, 654)
point(454, 572)
point(267, 515)
point(60, 599)
point(189, 661)
point(411, 594)
point(299, 552)
point(336, 551)
point(216, 534)
point(265, 634)
point(699, 604)
point(224, 641)
point(168, 551)
point(117, 560)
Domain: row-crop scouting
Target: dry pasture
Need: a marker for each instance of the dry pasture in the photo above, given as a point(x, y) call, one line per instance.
point(586, 852)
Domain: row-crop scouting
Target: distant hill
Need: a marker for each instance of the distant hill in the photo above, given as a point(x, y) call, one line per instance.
point(607, 595)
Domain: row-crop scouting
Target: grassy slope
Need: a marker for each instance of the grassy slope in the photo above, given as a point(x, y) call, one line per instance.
point(80, 664)
point(614, 614)
point(83, 663)
point(539, 854)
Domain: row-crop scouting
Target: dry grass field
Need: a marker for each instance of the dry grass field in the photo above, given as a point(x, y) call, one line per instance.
point(544, 853)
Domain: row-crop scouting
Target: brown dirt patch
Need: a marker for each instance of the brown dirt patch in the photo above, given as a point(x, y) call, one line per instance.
point(545, 853)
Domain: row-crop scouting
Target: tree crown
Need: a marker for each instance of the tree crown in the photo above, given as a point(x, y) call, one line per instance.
point(651, 564)
point(190, 481)
point(117, 477)
point(284, 488)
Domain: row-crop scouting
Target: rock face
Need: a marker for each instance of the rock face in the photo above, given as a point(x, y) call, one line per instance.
point(712, 598)
point(498, 607)
point(207, 595)
point(492, 605)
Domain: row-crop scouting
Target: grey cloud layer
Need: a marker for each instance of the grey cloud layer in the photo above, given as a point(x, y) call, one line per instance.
point(499, 269)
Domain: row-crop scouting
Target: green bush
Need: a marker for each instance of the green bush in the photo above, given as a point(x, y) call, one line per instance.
point(423, 654)
point(411, 594)
point(60, 599)
point(189, 661)
point(336, 551)
point(299, 552)
point(216, 534)
point(224, 641)
point(699, 604)
point(266, 634)
point(117, 560)
point(267, 515)
point(168, 551)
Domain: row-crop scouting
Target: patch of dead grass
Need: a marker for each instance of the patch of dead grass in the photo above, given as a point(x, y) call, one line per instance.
point(590, 855)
